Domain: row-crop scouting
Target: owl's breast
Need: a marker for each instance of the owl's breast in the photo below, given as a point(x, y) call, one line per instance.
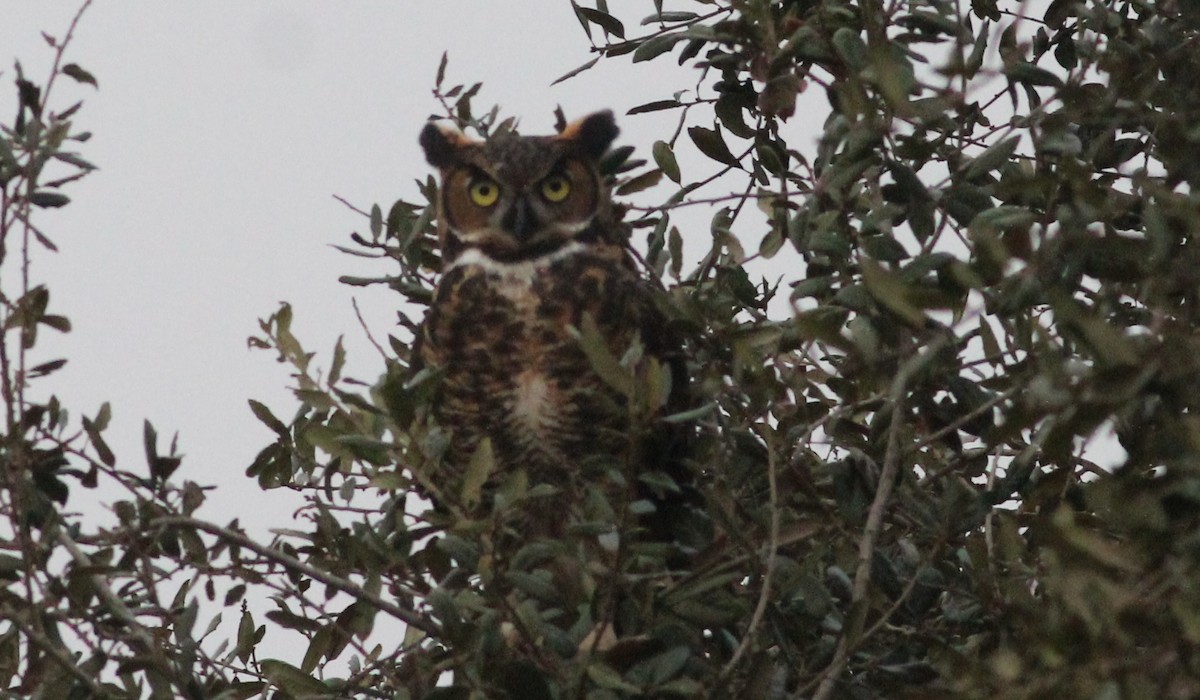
point(513, 370)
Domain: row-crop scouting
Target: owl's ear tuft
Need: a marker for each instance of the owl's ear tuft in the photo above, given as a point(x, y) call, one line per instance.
point(441, 143)
point(594, 133)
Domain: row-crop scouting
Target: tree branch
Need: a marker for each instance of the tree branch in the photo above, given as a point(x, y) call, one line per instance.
point(883, 492)
point(336, 582)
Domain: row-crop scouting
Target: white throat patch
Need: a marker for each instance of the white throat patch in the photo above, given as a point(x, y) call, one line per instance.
point(518, 269)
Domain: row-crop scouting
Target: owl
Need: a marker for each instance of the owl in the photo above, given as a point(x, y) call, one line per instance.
point(537, 324)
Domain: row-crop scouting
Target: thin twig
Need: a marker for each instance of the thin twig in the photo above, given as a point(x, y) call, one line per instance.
point(15, 208)
point(350, 206)
point(336, 582)
point(115, 605)
point(764, 595)
point(55, 651)
point(959, 422)
point(60, 49)
point(31, 184)
point(883, 493)
point(718, 199)
point(362, 322)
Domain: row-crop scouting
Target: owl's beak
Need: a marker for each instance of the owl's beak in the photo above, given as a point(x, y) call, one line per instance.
point(521, 220)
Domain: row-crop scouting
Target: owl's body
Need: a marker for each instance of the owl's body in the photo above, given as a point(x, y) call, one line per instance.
point(532, 254)
point(514, 372)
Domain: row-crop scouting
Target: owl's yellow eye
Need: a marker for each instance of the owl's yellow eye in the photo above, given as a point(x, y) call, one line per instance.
point(556, 188)
point(484, 193)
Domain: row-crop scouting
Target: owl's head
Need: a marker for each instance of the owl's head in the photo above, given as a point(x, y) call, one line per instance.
point(517, 197)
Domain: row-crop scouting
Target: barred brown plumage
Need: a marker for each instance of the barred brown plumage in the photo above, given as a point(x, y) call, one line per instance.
point(539, 301)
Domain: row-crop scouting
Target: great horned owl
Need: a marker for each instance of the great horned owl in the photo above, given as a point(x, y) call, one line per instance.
point(535, 266)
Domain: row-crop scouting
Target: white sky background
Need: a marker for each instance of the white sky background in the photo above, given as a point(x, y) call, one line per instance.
point(222, 130)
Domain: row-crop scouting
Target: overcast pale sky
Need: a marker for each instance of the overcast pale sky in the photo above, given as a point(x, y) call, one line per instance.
point(222, 130)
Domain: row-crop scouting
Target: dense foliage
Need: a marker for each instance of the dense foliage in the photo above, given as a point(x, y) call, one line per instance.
point(945, 410)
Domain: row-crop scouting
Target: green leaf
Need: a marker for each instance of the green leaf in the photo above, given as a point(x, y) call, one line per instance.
point(607, 677)
point(682, 687)
point(441, 70)
point(44, 368)
point(610, 24)
point(338, 362)
point(642, 182)
point(536, 584)
point(80, 75)
point(964, 202)
point(75, 160)
point(851, 48)
point(614, 161)
point(778, 96)
point(268, 419)
point(986, 8)
point(666, 665)
point(884, 247)
point(677, 16)
point(576, 71)
point(712, 144)
point(675, 247)
point(49, 200)
point(245, 636)
point(185, 620)
point(376, 221)
point(664, 157)
point(932, 23)
point(150, 442)
point(6, 153)
point(992, 157)
point(601, 357)
point(1003, 218)
point(465, 552)
point(890, 292)
point(975, 60)
point(655, 47)
point(480, 468)
point(1109, 344)
point(293, 681)
point(583, 21)
point(103, 416)
point(317, 646)
point(388, 481)
point(655, 106)
point(773, 159)
point(59, 323)
point(1029, 74)
point(770, 244)
point(1060, 143)
point(730, 109)
point(368, 449)
point(102, 450)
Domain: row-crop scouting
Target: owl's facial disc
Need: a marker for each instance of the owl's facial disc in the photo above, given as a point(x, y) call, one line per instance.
point(515, 197)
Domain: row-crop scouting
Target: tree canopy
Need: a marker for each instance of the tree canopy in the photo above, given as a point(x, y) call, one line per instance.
point(946, 364)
